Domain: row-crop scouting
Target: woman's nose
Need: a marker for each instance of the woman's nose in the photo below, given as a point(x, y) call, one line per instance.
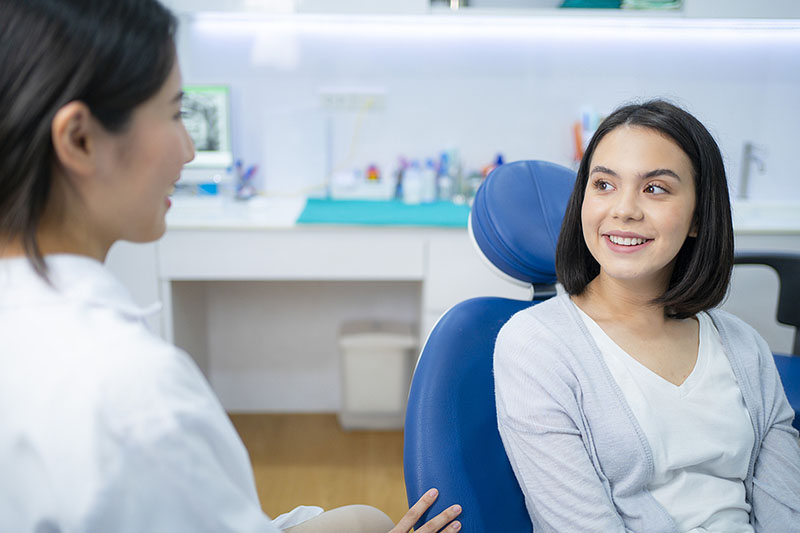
point(627, 206)
point(188, 146)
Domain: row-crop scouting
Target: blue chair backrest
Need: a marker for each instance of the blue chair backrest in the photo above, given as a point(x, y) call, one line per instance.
point(451, 436)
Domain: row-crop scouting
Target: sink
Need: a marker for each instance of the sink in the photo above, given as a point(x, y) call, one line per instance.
point(751, 216)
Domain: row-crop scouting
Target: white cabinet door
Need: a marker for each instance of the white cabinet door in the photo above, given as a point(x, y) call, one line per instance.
point(295, 254)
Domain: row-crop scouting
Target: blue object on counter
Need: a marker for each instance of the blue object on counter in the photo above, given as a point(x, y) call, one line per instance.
point(207, 189)
point(383, 213)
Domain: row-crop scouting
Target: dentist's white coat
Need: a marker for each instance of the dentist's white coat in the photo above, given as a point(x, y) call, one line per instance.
point(104, 426)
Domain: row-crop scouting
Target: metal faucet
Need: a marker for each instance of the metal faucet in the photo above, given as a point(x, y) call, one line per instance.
point(752, 153)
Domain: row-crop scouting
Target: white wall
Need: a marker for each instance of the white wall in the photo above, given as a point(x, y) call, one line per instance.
point(273, 346)
point(497, 84)
point(494, 84)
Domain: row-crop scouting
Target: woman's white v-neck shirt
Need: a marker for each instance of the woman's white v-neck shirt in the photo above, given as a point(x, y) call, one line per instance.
point(701, 445)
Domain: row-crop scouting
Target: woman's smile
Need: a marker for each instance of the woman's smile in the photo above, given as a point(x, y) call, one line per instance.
point(625, 243)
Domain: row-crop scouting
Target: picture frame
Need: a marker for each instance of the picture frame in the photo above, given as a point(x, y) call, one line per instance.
point(206, 114)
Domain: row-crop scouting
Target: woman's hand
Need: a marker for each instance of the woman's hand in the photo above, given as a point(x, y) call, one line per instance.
point(435, 524)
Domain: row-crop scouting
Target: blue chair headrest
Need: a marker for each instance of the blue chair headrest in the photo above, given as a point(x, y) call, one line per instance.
point(516, 218)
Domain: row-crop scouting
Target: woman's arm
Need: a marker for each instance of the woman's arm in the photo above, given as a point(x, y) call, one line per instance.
point(776, 474)
point(563, 491)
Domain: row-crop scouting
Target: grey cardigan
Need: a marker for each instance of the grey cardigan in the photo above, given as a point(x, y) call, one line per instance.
point(578, 452)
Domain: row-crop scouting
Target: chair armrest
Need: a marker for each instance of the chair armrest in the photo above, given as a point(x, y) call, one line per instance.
point(787, 265)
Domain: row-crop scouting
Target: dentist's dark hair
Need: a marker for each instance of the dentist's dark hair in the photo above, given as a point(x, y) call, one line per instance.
point(703, 265)
point(111, 55)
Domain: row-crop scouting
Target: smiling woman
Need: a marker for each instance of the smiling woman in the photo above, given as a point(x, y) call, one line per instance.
point(111, 186)
point(629, 403)
point(638, 208)
point(701, 269)
point(83, 75)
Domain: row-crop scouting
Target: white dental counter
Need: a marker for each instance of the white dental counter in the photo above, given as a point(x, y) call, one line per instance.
point(258, 300)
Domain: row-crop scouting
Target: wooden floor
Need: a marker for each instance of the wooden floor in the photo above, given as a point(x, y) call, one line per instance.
point(310, 460)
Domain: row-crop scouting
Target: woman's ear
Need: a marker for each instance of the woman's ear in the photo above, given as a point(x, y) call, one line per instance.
point(693, 227)
point(72, 133)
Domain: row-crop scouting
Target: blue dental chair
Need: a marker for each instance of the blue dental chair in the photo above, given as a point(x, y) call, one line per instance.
point(451, 436)
point(787, 267)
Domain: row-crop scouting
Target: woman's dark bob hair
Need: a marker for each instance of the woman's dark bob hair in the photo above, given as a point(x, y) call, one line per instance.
point(703, 265)
point(111, 55)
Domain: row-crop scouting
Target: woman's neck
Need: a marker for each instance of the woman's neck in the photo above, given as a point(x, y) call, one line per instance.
point(66, 227)
point(69, 239)
point(622, 302)
point(11, 247)
point(51, 243)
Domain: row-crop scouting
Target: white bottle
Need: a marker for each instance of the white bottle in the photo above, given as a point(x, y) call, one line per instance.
point(412, 184)
point(444, 183)
point(429, 182)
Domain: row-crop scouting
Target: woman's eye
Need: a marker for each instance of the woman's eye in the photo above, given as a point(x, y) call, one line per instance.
point(602, 185)
point(654, 189)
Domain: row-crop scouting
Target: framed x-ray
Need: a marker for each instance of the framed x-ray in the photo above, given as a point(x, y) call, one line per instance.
point(206, 114)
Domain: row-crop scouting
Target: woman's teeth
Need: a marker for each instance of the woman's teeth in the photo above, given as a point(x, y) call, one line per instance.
point(626, 241)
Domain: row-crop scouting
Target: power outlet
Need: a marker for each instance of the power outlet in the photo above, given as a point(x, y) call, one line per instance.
point(352, 100)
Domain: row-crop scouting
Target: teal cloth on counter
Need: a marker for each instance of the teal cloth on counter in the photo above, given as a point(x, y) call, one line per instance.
point(592, 4)
point(383, 213)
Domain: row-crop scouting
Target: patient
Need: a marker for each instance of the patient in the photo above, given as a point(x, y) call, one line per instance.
point(104, 427)
point(630, 403)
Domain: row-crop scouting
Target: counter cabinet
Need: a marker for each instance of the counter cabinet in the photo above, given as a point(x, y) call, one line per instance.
point(260, 309)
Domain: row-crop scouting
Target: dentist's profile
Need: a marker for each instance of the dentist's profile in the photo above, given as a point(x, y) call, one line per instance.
point(105, 427)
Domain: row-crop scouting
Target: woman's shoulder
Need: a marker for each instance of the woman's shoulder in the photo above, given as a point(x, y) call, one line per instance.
point(543, 352)
point(735, 333)
point(545, 319)
point(727, 319)
point(544, 337)
point(136, 376)
point(152, 367)
point(749, 354)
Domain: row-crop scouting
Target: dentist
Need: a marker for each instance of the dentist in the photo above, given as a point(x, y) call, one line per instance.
point(104, 426)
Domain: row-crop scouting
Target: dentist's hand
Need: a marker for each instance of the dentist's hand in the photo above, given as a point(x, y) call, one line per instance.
point(435, 524)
